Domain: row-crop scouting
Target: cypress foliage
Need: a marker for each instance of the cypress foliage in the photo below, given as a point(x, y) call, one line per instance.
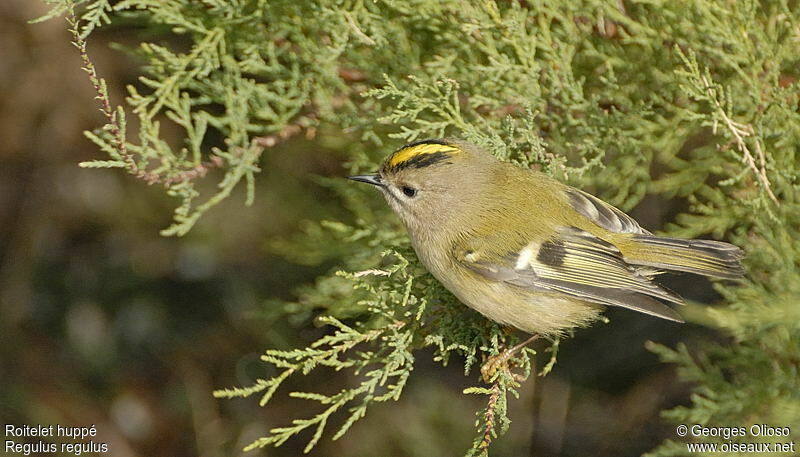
point(594, 92)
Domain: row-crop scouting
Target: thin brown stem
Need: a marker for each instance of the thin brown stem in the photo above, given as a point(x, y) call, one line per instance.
point(740, 132)
point(489, 419)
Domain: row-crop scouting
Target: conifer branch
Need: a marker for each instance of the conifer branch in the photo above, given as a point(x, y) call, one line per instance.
point(489, 432)
point(740, 132)
point(590, 81)
point(113, 116)
point(704, 88)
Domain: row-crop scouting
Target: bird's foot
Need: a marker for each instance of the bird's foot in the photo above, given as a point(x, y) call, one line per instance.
point(495, 362)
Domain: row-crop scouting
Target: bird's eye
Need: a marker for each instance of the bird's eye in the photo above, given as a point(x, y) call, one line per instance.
point(409, 191)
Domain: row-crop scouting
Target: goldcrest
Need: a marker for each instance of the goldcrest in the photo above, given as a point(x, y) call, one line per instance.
point(528, 251)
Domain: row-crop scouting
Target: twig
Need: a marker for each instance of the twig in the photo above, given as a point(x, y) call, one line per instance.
point(113, 124)
point(488, 418)
point(352, 23)
point(371, 272)
point(740, 132)
point(286, 132)
point(101, 94)
point(198, 171)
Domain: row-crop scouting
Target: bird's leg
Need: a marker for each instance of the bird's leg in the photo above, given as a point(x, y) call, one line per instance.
point(489, 368)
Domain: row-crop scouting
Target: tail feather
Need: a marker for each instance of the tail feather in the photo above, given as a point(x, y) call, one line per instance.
point(703, 257)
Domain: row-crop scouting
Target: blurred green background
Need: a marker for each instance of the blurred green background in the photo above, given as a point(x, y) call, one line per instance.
point(104, 322)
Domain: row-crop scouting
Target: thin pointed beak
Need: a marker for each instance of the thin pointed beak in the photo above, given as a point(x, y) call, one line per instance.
point(375, 179)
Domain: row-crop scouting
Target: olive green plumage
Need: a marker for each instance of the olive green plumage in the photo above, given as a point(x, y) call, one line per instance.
point(526, 250)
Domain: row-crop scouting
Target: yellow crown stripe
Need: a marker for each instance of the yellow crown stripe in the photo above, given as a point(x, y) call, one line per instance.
point(409, 153)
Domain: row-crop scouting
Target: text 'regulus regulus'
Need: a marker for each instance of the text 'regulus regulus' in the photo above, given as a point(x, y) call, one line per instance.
point(528, 251)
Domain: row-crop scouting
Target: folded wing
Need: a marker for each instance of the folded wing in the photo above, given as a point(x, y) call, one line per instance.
point(578, 264)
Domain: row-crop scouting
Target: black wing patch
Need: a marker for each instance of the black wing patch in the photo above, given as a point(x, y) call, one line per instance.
point(578, 264)
point(552, 253)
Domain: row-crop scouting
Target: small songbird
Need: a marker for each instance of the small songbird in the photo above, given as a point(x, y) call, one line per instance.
point(526, 250)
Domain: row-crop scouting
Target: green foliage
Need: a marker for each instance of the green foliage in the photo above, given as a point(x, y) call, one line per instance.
point(755, 115)
point(706, 90)
point(407, 310)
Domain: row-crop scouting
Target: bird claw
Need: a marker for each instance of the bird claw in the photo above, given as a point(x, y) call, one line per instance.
point(492, 364)
point(498, 361)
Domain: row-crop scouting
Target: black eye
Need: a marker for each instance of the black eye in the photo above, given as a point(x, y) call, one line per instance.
point(409, 191)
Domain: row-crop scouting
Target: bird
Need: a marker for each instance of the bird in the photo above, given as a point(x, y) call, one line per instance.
point(528, 251)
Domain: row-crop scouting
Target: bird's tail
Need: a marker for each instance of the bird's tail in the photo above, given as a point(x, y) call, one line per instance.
point(703, 257)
